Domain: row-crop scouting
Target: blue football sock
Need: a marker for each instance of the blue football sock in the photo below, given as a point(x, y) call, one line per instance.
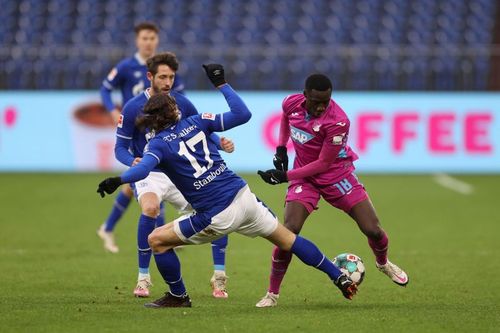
point(120, 205)
point(145, 227)
point(309, 253)
point(170, 269)
point(219, 253)
point(160, 220)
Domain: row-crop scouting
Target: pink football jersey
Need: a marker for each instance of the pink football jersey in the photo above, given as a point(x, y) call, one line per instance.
point(309, 134)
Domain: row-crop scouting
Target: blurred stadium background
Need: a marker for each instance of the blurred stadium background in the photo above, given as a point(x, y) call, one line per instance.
point(54, 55)
point(419, 79)
point(365, 44)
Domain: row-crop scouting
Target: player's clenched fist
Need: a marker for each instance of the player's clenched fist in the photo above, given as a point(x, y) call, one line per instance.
point(226, 144)
point(215, 73)
point(273, 176)
point(109, 185)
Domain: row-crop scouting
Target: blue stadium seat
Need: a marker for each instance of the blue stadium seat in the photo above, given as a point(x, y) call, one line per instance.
point(285, 38)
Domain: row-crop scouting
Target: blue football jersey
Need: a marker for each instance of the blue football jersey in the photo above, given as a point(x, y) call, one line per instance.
point(129, 76)
point(193, 163)
point(133, 109)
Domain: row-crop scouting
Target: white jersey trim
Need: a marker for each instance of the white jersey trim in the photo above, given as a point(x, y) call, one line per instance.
point(150, 153)
point(107, 85)
point(124, 137)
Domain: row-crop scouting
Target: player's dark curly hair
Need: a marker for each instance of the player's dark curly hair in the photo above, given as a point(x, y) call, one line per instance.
point(318, 82)
point(146, 26)
point(159, 112)
point(165, 58)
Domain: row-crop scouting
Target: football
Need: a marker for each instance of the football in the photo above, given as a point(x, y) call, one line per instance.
point(352, 265)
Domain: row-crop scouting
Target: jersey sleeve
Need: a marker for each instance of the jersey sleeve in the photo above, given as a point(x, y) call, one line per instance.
point(154, 148)
point(124, 134)
point(335, 140)
point(112, 81)
point(284, 132)
point(126, 124)
point(139, 171)
point(238, 114)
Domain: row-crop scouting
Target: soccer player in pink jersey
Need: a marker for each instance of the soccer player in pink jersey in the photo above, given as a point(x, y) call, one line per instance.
point(323, 167)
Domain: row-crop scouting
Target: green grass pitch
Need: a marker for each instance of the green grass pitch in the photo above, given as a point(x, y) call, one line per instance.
point(56, 277)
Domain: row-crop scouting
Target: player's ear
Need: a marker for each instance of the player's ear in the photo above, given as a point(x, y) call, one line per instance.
point(149, 75)
point(305, 93)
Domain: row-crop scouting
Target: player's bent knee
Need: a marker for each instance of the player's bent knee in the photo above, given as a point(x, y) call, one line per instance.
point(155, 242)
point(150, 209)
point(127, 190)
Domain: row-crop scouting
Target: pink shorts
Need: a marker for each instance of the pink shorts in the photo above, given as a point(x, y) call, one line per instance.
point(343, 194)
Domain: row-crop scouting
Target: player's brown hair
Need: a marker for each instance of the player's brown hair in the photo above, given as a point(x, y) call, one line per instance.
point(146, 26)
point(165, 58)
point(160, 111)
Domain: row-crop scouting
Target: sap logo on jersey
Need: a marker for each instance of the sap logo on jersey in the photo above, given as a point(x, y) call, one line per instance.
point(299, 135)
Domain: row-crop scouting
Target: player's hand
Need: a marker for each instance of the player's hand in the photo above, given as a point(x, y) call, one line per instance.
point(115, 114)
point(280, 159)
point(215, 73)
point(226, 144)
point(136, 161)
point(109, 185)
point(273, 176)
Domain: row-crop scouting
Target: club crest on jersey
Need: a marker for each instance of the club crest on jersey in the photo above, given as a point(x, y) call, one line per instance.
point(298, 189)
point(316, 127)
point(338, 139)
point(209, 116)
point(300, 136)
point(120, 121)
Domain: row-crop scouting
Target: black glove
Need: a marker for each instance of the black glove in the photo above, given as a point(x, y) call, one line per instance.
point(109, 185)
point(215, 73)
point(273, 176)
point(280, 159)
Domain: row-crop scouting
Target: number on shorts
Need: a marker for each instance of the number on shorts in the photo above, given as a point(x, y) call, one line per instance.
point(343, 186)
point(191, 143)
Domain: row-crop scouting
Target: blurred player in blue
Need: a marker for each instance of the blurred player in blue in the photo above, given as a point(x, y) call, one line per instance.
point(222, 200)
point(129, 76)
point(157, 187)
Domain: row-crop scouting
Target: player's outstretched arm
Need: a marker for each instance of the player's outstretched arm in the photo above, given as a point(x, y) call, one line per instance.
point(239, 112)
point(132, 175)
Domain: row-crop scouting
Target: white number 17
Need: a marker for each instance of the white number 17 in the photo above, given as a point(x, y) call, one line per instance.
point(191, 143)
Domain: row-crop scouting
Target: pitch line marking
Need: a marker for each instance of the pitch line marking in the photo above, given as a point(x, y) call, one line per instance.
point(453, 184)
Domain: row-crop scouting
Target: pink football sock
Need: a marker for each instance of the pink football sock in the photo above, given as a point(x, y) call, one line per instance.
point(379, 248)
point(280, 261)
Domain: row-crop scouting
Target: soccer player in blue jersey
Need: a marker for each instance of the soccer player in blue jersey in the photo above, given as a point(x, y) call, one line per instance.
point(157, 187)
point(222, 200)
point(129, 76)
